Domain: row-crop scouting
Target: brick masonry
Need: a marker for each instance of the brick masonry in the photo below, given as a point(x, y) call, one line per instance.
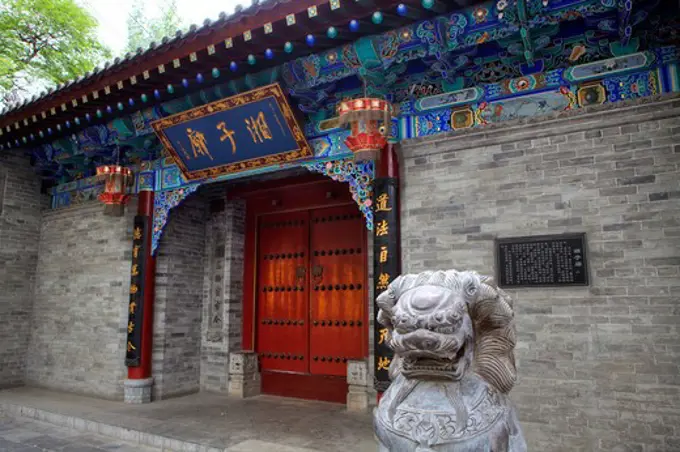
point(20, 206)
point(223, 290)
point(180, 263)
point(78, 331)
point(599, 367)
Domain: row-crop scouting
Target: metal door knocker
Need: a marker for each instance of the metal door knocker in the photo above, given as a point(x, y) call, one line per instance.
point(300, 273)
point(317, 273)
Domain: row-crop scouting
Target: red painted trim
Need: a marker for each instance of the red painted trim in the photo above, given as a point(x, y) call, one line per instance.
point(303, 386)
point(145, 207)
point(249, 275)
point(368, 314)
point(260, 188)
point(388, 165)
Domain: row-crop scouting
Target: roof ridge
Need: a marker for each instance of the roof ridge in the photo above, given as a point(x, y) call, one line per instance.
point(193, 29)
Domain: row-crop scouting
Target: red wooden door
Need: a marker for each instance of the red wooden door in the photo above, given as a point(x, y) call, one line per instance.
point(283, 301)
point(337, 292)
point(311, 297)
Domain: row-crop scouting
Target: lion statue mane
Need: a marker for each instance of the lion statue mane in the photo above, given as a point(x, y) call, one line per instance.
point(453, 335)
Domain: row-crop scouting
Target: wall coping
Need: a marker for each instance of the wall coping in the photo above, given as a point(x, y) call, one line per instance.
point(560, 123)
point(93, 206)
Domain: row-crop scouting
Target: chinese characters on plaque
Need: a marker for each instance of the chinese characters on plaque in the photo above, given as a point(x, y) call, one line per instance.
point(385, 266)
point(542, 261)
point(243, 132)
point(135, 307)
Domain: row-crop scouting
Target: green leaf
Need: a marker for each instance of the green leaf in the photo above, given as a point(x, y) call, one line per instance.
point(50, 40)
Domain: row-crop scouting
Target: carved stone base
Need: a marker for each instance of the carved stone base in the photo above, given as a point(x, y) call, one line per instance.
point(138, 391)
point(357, 399)
point(358, 393)
point(244, 379)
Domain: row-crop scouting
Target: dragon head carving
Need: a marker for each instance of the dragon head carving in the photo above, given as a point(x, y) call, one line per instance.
point(442, 324)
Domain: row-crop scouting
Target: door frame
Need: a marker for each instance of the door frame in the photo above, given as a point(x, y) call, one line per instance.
point(291, 194)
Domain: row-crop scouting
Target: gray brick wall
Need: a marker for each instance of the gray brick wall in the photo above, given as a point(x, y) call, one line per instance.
point(20, 205)
point(179, 297)
point(77, 340)
point(223, 291)
point(599, 367)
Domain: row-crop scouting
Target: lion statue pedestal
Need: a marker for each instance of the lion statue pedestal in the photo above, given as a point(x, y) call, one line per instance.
point(453, 336)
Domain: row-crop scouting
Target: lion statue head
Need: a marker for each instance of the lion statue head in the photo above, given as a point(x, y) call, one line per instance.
point(443, 324)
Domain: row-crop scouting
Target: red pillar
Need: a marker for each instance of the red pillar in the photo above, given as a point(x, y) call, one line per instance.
point(145, 208)
point(388, 165)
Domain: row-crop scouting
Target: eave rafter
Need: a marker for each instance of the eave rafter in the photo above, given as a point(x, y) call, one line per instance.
point(625, 9)
point(520, 35)
point(214, 45)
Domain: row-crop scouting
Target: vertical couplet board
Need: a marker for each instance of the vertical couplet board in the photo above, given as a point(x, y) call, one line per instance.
point(338, 289)
point(140, 244)
point(386, 263)
point(283, 307)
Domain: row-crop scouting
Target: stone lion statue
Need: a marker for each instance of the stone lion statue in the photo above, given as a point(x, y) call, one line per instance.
point(453, 335)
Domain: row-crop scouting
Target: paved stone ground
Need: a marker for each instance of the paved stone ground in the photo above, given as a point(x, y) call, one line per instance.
point(202, 422)
point(29, 435)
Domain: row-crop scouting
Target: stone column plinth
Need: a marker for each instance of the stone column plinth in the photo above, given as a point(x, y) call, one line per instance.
point(138, 390)
point(244, 378)
point(357, 378)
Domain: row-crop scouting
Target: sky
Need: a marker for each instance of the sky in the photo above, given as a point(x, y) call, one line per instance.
point(112, 15)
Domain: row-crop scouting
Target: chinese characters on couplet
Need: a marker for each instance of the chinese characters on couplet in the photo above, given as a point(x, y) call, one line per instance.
point(383, 254)
point(383, 281)
point(382, 228)
point(383, 335)
point(135, 305)
point(382, 202)
point(386, 268)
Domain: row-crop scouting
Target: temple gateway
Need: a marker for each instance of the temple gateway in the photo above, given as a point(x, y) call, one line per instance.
point(219, 212)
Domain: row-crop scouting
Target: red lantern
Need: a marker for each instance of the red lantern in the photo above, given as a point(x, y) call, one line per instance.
point(117, 178)
point(370, 122)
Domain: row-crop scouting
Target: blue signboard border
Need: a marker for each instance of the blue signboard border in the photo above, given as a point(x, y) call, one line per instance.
point(303, 151)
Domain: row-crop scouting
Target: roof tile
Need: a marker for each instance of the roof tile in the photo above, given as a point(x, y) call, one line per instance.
point(223, 16)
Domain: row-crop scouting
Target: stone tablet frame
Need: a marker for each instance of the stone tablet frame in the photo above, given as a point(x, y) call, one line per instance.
point(498, 242)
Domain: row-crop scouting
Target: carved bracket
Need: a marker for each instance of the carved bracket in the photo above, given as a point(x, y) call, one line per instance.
point(359, 176)
point(164, 202)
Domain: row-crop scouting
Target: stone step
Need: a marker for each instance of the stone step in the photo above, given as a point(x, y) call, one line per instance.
point(113, 431)
point(135, 436)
